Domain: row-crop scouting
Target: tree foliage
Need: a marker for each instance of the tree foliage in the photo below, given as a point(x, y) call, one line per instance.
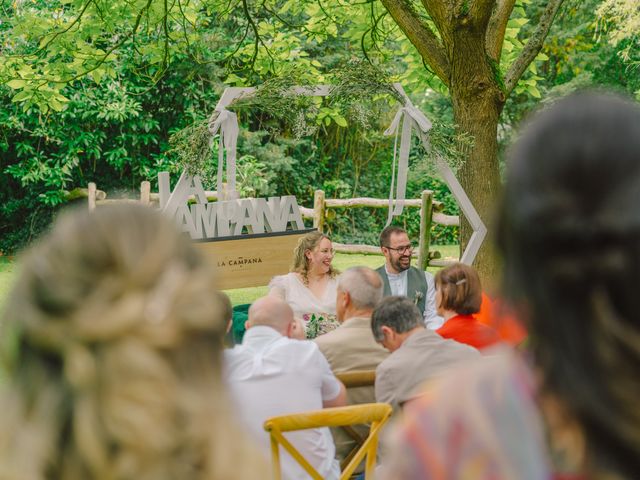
point(93, 90)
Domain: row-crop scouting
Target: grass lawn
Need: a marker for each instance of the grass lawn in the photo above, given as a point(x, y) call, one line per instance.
point(7, 269)
point(244, 295)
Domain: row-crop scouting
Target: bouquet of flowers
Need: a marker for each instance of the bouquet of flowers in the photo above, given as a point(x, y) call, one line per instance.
point(316, 324)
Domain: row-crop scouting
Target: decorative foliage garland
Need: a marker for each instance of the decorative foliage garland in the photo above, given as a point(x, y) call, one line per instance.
point(360, 92)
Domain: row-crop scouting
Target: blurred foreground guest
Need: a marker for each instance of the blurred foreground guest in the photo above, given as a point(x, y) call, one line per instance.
point(310, 287)
point(495, 314)
point(571, 273)
point(226, 312)
point(271, 374)
point(417, 353)
point(458, 297)
point(351, 346)
point(112, 343)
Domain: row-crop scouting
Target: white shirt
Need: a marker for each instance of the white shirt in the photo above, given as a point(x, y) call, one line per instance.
point(271, 375)
point(398, 285)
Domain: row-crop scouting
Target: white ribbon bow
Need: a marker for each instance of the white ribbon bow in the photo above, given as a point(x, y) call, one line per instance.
point(410, 116)
point(227, 123)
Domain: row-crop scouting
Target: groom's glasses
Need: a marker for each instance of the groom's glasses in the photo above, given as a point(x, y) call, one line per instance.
point(403, 249)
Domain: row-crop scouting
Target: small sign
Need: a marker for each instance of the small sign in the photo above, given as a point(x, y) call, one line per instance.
point(250, 260)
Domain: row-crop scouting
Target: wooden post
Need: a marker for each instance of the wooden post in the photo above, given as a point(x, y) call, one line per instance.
point(91, 197)
point(426, 210)
point(318, 210)
point(164, 188)
point(145, 193)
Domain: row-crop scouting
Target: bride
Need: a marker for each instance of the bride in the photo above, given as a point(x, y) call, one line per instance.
point(310, 287)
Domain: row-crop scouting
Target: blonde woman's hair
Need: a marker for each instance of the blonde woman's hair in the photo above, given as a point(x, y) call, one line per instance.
point(112, 353)
point(300, 262)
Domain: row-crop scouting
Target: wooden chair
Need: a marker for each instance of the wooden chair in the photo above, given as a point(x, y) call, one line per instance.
point(355, 379)
point(376, 414)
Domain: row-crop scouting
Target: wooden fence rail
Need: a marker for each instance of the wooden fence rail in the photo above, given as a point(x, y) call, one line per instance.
point(430, 213)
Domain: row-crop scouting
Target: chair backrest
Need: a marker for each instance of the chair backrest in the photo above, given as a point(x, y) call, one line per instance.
point(376, 414)
point(357, 378)
point(354, 379)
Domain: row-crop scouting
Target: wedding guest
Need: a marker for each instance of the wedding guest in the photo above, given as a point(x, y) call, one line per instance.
point(458, 297)
point(310, 287)
point(417, 353)
point(400, 278)
point(351, 346)
point(568, 408)
point(111, 356)
point(271, 374)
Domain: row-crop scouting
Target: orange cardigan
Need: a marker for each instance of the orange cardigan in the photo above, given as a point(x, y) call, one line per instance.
point(466, 329)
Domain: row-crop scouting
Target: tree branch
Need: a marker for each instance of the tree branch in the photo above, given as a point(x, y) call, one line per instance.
point(497, 28)
point(480, 11)
point(421, 36)
point(533, 46)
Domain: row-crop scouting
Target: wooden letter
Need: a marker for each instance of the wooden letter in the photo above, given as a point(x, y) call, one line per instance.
point(290, 213)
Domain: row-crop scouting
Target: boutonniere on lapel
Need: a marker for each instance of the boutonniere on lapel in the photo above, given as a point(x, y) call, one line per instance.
point(417, 297)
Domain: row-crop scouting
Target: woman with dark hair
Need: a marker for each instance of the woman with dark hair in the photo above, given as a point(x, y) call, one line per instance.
point(569, 235)
point(458, 298)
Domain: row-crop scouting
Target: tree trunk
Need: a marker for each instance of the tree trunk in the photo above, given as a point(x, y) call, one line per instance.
point(478, 116)
point(477, 103)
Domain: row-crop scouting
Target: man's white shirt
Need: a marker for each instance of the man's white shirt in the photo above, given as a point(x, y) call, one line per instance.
point(398, 286)
point(270, 375)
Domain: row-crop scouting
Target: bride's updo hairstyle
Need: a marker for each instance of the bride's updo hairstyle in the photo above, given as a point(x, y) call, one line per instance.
point(111, 357)
point(569, 234)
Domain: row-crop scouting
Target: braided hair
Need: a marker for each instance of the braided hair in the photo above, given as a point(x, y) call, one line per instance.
point(111, 344)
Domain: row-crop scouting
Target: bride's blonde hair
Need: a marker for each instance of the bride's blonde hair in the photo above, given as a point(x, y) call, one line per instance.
point(300, 263)
point(111, 349)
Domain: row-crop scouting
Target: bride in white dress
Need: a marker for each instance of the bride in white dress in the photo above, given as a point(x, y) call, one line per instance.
point(310, 287)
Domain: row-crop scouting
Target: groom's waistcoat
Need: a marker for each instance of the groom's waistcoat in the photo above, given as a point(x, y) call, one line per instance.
point(416, 282)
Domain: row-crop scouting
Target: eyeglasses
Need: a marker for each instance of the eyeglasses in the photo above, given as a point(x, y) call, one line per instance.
point(403, 249)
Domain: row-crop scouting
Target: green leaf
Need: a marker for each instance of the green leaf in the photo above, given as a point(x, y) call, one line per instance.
point(340, 120)
point(56, 105)
point(533, 90)
point(17, 83)
point(22, 96)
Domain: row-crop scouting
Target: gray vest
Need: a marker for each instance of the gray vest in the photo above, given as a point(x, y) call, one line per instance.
point(416, 282)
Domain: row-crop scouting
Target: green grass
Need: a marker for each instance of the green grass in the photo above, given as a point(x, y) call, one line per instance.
point(7, 269)
point(243, 295)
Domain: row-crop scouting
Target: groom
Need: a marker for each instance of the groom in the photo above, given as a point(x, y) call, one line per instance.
point(400, 278)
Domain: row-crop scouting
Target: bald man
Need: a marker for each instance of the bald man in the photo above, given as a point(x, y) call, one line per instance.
point(272, 374)
point(266, 311)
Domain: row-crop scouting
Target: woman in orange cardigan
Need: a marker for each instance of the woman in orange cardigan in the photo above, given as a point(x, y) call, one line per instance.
point(458, 297)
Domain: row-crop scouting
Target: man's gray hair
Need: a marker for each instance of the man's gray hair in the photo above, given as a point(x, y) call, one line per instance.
point(364, 286)
point(397, 313)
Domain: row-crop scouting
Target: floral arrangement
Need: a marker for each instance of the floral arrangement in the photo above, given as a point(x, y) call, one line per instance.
point(417, 297)
point(316, 324)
